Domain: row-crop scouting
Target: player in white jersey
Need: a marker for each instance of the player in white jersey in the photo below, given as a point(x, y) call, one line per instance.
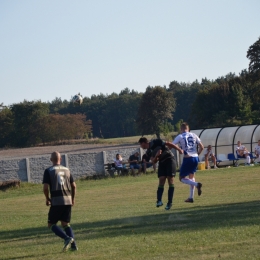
point(257, 151)
point(188, 143)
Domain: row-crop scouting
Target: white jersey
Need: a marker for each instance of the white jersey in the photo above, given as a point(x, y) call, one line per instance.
point(188, 143)
point(210, 153)
point(257, 150)
point(241, 148)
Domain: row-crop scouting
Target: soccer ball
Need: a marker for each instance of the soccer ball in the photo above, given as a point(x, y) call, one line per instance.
point(77, 99)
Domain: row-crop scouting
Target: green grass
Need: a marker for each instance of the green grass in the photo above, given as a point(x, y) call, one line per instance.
point(117, 219)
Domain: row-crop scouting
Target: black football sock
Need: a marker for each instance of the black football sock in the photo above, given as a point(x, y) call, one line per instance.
point(68, 230)
point(170, 193)
point(58, 232)
point(160, 193)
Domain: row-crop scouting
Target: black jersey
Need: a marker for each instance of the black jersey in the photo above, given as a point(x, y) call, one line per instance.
point(156, 145)
point(59, 179)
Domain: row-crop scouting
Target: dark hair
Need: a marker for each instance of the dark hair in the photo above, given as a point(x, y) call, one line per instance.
point(184, 126)
point(143, 140)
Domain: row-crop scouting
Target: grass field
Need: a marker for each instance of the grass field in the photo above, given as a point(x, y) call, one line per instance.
point(117, 219)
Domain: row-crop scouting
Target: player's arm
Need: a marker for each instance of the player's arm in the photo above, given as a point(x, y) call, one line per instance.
point(73, 192)
point(174, 146)
point(47, 193)
point(201, 147)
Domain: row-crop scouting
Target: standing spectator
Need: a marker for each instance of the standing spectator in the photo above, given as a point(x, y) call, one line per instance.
point(134, 163)
point(159, 150)
point(257, 151)
point(146, 163)
point(209, 155)
point(188, 142)
point(242, 152)
point(59, 189)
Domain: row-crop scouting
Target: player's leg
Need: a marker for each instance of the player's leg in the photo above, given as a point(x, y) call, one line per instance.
point(192, 188)
point(171, 172)
point(154, 167)
point(188, 168)
point(55, 214)
point(162, 179)
point(65, 222)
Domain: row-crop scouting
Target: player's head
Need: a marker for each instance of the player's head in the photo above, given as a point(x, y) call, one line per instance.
point(55, 158)
point(185, 127)
point(238, 143)
point(144, 142)
point(258, 142)
point(209, 147)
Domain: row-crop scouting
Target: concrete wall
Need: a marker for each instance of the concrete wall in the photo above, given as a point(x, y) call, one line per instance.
point(81, 164)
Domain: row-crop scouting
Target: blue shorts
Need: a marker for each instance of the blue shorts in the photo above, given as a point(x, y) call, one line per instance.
point(189, 165)
point(135, 166)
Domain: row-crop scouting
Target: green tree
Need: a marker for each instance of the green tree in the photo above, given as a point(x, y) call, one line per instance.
point(156, 107)
point(25, 116)
point(253, 54)
point(6, 127)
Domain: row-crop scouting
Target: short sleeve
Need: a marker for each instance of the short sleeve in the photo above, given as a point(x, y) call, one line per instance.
point(71, 179)
point(198, 141)
point(46, 177)
point(176, 140)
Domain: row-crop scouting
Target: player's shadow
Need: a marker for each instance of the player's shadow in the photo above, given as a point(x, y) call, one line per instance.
point(190, 219)
point(198, 218)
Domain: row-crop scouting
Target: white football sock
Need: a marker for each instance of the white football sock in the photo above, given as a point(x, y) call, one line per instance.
point(192, 188)
point(189, 182)
point(248, 159)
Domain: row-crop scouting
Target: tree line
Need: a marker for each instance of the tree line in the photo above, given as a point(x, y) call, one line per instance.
point(226, 101)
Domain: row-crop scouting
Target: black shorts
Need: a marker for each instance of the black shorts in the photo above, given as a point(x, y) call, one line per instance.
point(59, 213)
point(167, 168)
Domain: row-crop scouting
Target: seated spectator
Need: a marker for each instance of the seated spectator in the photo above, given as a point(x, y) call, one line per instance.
point(209, 155)
point(242, 152)
point(257, 151)
point(118, 163)
point(146, 163)
point(134, 160)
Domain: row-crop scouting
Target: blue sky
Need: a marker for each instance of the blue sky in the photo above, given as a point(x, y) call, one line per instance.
point(58, 48)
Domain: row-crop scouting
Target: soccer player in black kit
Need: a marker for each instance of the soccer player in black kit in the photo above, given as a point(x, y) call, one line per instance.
point(159, 150)
point(59, 189)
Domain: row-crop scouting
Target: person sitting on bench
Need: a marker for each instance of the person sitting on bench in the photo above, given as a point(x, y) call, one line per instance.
point(242, 152)
point(209, 155)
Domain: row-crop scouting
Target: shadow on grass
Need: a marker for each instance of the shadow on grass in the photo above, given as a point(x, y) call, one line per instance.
point(198, 218)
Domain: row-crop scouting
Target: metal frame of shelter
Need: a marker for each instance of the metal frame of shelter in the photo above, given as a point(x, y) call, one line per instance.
point(224, 139)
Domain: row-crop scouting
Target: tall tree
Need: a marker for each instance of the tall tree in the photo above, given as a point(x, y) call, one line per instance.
point(25, 116)
point(253, 54)
point(156, 107)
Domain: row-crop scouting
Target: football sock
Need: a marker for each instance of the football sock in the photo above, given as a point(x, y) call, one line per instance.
point(160, 192)
point(68, 230)
point(248, 159)
point(192, 188)
point(170, 193)
point(58, 232)
point(189, 182)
